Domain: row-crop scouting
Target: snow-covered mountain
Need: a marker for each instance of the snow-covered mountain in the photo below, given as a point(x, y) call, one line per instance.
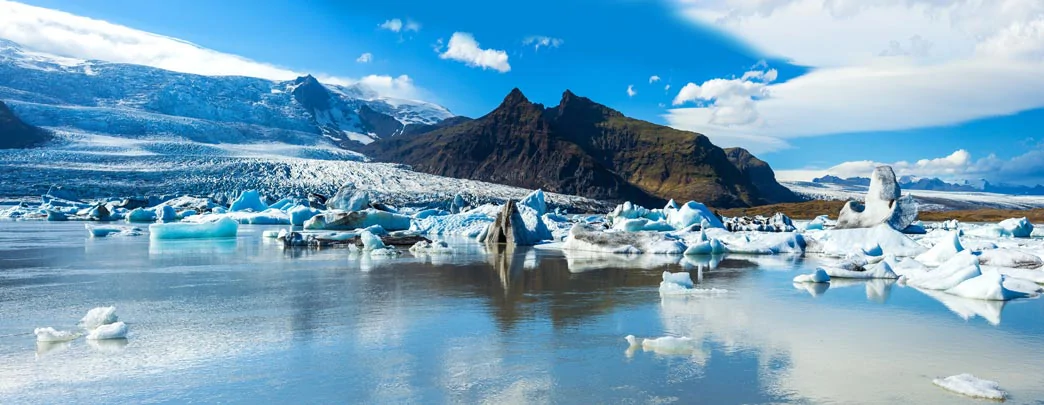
point(134, 101)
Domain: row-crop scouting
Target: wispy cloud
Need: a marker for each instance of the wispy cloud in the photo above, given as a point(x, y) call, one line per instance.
point(69, 35)
point(630, 91)
point(463, 47)
point(365, 58)
point(538, 41)
point(921, 63)
point(654, 79)
point(397, 25)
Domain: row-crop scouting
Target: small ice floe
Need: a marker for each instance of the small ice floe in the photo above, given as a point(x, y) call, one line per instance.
point(221, 228)
point(705, 246)
point(963, 277)
point(860, 268)
point(946, 249)
point(108, 230)
point(680, 283)
point(969, 385)
point(431, 248)
point(116, 330)
point(663, 345)
point(1008, 228)
point(51, 335)
point(819, 276)
point(99, 316)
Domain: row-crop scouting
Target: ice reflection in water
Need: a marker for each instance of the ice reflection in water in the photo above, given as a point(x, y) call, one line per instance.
point(526, 325)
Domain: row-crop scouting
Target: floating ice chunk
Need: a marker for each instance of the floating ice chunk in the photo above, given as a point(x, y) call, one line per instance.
point(664, 345)
point(587, 238)
point(166, 213)
point(681, 279)
point(765, 243)
point(641, 224)
point(944, 250)
point(692, 213)
point(535, 201)
point(879, 270)
point(680, 283)
point(1017, 227)
point(431, 248)
point(818, 276)
point(433, 212)
point(106, 231)
point(371, 241)
point(222, 228)
point(248, 200)
point(347, 221)
point(882, 238)
point(99, 316)
point(819, 223)
point(283, 204)
point(705, 246)
point(51, 335)
point(884, 204)
point(777, 223)
point(1011, 258)
point(458, 204)
point(301, 214)
point(969, 385)
point(961, 267)
point(141, 215)
point(986, 286)
point(349, 198)
point(116, 330)
point(469, 224)
point(55, 216)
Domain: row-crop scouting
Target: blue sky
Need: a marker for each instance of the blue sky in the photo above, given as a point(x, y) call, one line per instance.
point(839, 99)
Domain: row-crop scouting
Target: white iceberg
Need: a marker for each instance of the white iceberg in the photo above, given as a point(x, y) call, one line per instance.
point(351, 220)
point(944, 250)
point(884, 204)
point(692, 213)
point(704, 245)
point(115, 330)
point(880, 240)
point(166, 213)
point(431, 248)
point(51, 335)
point(99, 316)
point(248, 200)
point(1008, 228)
point(818, 276)
point(1011, 258)
point(680, 283)
point(371, 241)
point(222, 228)
point(664, 345)
point(961, 267)
point(969, 385)
point(110, 230)
point(641, 224)
point(535, 201)
point(587, 238)
point(141, 215)
point(817, 224)
point(881, 270)
point(760, 243)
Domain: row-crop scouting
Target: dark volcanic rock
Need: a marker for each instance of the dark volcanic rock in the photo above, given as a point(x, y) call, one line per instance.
point(14, 133)
point(584, 148)
point(761, 176)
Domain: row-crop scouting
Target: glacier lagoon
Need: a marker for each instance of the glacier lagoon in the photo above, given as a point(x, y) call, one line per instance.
point(245, 320)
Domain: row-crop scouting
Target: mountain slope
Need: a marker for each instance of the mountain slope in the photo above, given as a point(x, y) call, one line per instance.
point(136, 101)
point(17, 134)
point(759, 173)
point(578, 147)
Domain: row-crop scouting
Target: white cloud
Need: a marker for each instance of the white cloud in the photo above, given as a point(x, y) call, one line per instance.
point(654, 79)
point(365, 58)
point(1027, 168)
point(630, 91)
point(69, 35)
point(920, 63)
point(397, 25)
point(462, 47)
point(542, 41)
point(730, 101)
point(667, 88)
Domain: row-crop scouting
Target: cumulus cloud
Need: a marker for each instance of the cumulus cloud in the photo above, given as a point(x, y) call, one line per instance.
point(463, 47)
point(729, 101)
point(921, 63)
point(393, 25)
point(961, 165)
point(538, 41)
point(630, 91)
point(365, 58)
point(69, 35)
point(654, 79)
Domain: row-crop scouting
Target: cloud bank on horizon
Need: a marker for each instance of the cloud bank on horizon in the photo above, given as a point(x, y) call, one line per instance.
point(876, 65)
point(66, 34)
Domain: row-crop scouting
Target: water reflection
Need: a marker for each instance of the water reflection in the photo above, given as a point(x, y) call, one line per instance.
point(107, 346)
point(877, 290)
point(192, 247)
point(49, 348)
point(967, 308)
point(813, 289)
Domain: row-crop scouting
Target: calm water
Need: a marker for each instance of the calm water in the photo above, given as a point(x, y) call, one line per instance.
point(245, 321)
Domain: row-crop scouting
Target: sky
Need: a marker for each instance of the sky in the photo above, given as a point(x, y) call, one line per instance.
point(936, 88)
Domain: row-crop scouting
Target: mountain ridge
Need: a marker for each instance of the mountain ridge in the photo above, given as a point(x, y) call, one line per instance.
point(579, 147)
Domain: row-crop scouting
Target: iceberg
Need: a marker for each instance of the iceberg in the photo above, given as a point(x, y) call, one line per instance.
point(881, 239)
point(458, 205)
point(641, 224)
point(1010, 258)
point(944, 250)
point(680, 283)
point(347, 221)
point(692, 213)
point(517, 226)
point(301, 214)
point(819, 276)
point(884, 205)
point(432, 248)
point(470, 224)
point(55, 216)
point(166, 213)
point(51, 335)
point(777, 223)
point(141, 215)
point(817, 224)
point(705, 246)
point(535, 201)
point(371, 241)
point(115, 330)
point(666, 345)
point(584, 237)
point(99, 316)
point(969, 385)
point(106, 231)
point(349, 198)
point(248, 200)
point(432, 212)
point(222, 228)
point(1008, 228)
point(881, 270)
point(961, 267)
point(765, 243)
